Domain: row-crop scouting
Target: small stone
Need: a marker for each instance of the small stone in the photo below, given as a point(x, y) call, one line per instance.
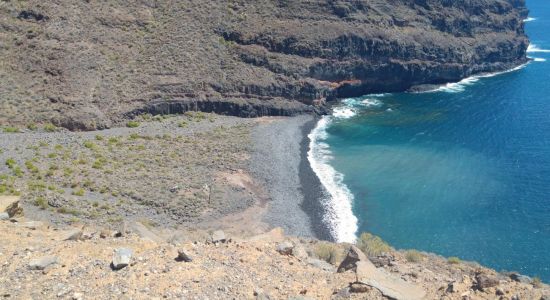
point(10, 205)
point(117, 234)
point(499, 291)
point(321, 264)
point(121, 258)
point(359, 288)
point(484, 281)
point(352, 257)
point(72, 235)
point(183, 256)
point(104, 234)
point(344, 293)
point(285, 248)
point(218, 237)
point(521, 278)
point(77, 296)
point(42, 262)
point(4, 216)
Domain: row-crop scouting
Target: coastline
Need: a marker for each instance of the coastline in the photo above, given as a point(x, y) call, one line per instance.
point(279, 163)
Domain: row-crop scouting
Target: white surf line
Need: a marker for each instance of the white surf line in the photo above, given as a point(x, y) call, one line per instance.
point(538, 59)
point(535, 49)
point(338, 206)
point(530, 19)
point(457, 87)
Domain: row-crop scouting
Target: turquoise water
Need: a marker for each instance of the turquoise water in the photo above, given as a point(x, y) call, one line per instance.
point(464, 171)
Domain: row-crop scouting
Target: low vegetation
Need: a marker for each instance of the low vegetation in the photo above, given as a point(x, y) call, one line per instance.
point(328, 252)
point(90, 178)
point(372, 245)
point(453, 260)
point(414, 256)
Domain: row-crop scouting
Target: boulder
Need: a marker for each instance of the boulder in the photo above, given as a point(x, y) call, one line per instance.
point(389, 285)
point(4, 216)
point(121, 258)
point(521, 278)
point(382, 260)
point(10, 205)
point(342, 293)
point(42, 262)
point(72, 235)
point(353, 256)
point(183, 256)
point(285, 248)
point(299, 252)
point(321, 264)
point(218, 237)
point(484, 281)
point(358, 287)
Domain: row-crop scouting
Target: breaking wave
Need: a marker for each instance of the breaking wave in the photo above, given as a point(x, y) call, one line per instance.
point(535, 49)
point(339, 201)
point(457, 87)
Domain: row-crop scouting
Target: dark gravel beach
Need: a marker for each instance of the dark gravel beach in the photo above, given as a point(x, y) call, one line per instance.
point(279, 163)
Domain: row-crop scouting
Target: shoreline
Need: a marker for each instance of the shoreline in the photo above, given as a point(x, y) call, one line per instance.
point(273, 164)
point(312, 189)
point(279, 163)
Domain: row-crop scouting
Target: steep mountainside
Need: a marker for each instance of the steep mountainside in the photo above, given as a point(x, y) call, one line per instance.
point(88, 64)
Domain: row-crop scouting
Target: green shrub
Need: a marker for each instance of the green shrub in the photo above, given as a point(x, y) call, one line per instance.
point(41, 202)
point(10, 162)
point(453, 260)
point(132, 124)
point(414, 256)
point(11, 129)
point(89, 144)
point(50, 128)
point(99, 137)
point(32, 127)
point(328, 252)
point(79, 192)
point(31, 167)
point(68, 211)
point(18, 172)
point(372, 245)
point(182, 124)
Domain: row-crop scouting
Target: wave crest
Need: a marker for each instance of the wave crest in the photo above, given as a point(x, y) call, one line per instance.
point(535, 49)
point(338, 204)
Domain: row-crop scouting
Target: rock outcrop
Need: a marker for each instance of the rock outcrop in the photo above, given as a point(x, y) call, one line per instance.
point(245, 58)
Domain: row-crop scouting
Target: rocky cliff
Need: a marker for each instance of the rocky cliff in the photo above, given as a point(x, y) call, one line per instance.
point(87, 64)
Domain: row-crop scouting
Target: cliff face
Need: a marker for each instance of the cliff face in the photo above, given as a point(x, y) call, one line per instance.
point(86, 64)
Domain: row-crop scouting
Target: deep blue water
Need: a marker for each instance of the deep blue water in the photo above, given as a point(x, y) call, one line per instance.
point(460, 172)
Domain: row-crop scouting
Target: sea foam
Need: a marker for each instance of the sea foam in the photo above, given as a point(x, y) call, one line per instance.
point(530, 19)
point(343, 112)
point(338, 203)
point(457, 87)
point(538, 59)
point(535, 49)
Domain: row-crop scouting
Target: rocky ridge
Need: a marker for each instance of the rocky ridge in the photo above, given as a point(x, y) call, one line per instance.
point(88, 64)
point(41, 261)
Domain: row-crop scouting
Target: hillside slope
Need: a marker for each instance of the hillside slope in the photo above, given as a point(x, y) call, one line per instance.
point(86, 64)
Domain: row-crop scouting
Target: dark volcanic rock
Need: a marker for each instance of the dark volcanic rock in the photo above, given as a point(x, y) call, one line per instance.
point(248, 58)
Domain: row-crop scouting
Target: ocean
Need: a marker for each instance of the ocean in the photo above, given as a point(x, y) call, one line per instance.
point(461, 171)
